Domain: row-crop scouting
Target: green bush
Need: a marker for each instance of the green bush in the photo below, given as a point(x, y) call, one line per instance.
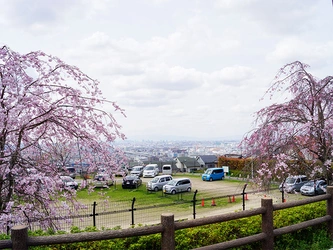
point(310, 238)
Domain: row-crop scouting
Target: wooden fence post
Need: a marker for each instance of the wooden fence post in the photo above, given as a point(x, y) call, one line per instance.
point(19, 237)
point(168, 234)
point(329, 210)
point(267, 224)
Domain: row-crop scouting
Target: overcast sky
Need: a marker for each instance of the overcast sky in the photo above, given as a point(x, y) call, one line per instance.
point(181, 69)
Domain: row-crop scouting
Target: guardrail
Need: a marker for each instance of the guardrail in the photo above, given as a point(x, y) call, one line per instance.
point(21, 241)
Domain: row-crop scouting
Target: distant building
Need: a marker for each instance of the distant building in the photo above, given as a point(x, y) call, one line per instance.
point(187, 164)
point(237, 156)
point(207, 161)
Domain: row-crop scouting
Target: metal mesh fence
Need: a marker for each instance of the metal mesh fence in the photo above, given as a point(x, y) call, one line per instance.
point(127, 213)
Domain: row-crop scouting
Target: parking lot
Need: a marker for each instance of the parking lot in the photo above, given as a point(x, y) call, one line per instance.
point(212, 198)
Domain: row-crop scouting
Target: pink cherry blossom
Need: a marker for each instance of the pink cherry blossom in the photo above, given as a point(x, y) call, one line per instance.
point(295, 136)
point(50, 112)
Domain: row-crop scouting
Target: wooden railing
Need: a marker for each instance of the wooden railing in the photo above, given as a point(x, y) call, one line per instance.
point(21, 241)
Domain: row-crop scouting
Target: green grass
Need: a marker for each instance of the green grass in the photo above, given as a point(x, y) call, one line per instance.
point(117, 193)
point(144, 197)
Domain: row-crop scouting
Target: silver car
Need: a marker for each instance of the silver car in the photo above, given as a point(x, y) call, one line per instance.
point(137, 170)
point(151, 170)
point(102, 180)
point(158, 182)
point(177, 186)
point(314, 187)
point(293, 183)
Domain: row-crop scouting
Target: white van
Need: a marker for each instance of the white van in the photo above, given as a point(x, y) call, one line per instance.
point(167, 169)
point(150, 170)
point(158, 182)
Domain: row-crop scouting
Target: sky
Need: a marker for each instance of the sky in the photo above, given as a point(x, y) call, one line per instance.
point(181, 69)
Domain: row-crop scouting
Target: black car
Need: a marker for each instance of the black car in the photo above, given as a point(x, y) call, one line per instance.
point(131, 181)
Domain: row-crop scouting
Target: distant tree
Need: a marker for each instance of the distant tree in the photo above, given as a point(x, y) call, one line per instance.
point(44, 104)
point(296, 135)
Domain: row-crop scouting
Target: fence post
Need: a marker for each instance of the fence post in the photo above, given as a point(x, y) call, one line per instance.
point(329, 210)
point(282, 191)
point(243, 194)
point(267, 224)
point(132, 211)
point(194, 202)
point(19, 237)
point(168, 234)
point(94, 213)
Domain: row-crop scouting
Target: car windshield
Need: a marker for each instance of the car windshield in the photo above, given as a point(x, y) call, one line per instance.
point(208, 171)
point(136, 169)
point(149, 168)
point(290, 180)
point(99, 177)
point(172, 182)
point(155, 180)
point(310, 183)
point(67, 179)
point(71, 170)
point(130, 177)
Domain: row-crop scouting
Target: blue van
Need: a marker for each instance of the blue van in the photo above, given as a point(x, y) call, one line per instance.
point(212, 174)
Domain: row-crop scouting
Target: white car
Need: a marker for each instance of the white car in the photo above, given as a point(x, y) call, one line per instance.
point(151, 170)
point(137, 170)
point(69, 182)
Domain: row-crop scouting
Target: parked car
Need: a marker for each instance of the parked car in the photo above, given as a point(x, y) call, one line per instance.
point(137, 170)
point(167, 169)
point(69, 182)
point(314, 187)
point(122, 171)
point(131, 181)
point(151, 170)
point(212, 174)
point(177, 186)
point(70, 171)
point(293, 183)
point(158, 182)
point(102, 180)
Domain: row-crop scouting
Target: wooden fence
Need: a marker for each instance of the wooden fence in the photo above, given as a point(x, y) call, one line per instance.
point(21, 241)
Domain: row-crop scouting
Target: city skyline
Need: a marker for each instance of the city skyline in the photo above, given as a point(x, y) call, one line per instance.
point(181, 70)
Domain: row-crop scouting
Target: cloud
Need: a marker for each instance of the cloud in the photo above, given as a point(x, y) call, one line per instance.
point(293, 48)
point(185, 67)
point(232, 75)
point(271, 16)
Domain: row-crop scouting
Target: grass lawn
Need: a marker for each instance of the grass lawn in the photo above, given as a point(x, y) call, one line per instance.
point(142, 196)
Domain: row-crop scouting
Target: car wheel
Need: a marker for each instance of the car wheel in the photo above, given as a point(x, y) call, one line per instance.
point(156, 189)
point(173, 192)
point(210, 179)
point(189, 189)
